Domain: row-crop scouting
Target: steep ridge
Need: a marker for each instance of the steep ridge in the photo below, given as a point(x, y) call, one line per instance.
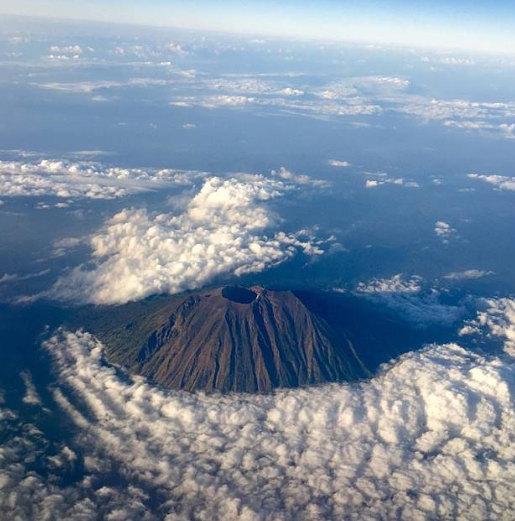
point(214, 341)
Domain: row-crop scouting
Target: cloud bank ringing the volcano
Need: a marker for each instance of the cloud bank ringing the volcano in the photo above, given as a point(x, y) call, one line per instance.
point(430, 437)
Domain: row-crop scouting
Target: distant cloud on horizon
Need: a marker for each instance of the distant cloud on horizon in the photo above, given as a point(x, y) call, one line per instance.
point(455, 25)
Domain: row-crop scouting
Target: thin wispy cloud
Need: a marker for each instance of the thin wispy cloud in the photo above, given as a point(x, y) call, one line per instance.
point(84, 180)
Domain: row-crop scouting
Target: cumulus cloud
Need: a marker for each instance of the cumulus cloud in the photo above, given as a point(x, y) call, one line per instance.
point(444, 230)
point(410, 299)
point(381, 179)
point(89, 180)
point(496, 319)
point(222, 231)
point(431, 437)
point(287, 175)
point(500, 182)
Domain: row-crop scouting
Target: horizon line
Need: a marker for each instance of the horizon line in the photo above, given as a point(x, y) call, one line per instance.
point(261, 33)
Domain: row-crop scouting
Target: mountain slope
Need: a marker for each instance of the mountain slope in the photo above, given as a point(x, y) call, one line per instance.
point(251, 340)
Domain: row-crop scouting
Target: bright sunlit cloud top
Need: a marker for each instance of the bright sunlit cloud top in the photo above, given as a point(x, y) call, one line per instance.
point(476, 25)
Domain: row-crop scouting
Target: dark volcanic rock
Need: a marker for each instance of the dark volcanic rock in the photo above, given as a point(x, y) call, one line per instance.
point(251, 340)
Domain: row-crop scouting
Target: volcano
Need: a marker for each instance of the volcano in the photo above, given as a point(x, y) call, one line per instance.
point(247, 339)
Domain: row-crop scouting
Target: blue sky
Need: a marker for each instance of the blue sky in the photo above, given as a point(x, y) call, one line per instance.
point(479, 25)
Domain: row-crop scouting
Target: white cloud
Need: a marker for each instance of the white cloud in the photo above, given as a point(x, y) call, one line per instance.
point(287, 175)
point(66, 49)
point(176, 48)
point(431, 437)
point(338, 164)
point(222, 231)
point(241, 85)
point(79, 87)
point(500, 182)
point(31, 395)
point(382, 180)
point(366, 95)
point(251, 85)
point(8, 277)
point(449, 60)
point(408, 298)
point(62, 57)
point(83, 179)
point(212, 102)
point(284, 103)
point(14, 277)
point(62, 246)
point(90, 87)
point(373, 87)
point(444, 230)
point(395, 285)
point(288, 91)
point(468, 274)
point(505, 129)
point(497, 319)
point(88, 154)
point(468, 125)
point(369, 95)
point(438, 109)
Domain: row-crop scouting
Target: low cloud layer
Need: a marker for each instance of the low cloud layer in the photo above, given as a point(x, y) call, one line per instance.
point(88, 180)
point(503, 129)
point(429, 438)
point(222, 231)
point(468, 274)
